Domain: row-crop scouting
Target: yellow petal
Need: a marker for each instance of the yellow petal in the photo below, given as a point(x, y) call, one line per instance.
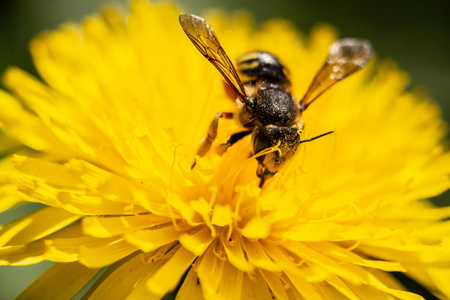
point(8, 145)
point(9, 194)
point(439, 277)
point(140, 290)
point(348, 256)
point(10, 197)
point(51, 173)
point(197, 242)
point(344, 271)
point(235, 253)
point(375, 282)
point(168, 276)
point(371, 292)
point(67, 244)
point(311, 273)
point(104, 226)
point(191, 287)
point(75, 202)
point(28, 128)
point(256, 228)
point(230, 286)
point(254, 288)
point(36, 225)
point(257, 257)
point(30, 253)
point(104, 254)
point(210, 272)
point(222, 215)
point(276, 285)
point(305, 288)
point(149, 240)
point(119, 280)
point(70, 278)
point(342, 287)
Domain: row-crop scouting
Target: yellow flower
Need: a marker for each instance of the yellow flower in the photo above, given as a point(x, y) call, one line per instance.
point(111, 132)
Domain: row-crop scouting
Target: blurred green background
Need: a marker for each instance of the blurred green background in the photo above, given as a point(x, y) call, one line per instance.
point(416, 34)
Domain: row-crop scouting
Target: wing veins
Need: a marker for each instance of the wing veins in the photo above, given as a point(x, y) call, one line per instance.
point(345, 57)
point(204, 39)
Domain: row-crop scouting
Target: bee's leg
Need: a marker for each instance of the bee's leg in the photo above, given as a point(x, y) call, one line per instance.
point(206, 142)
point(232, 140)
point(260, 173)
point(261, 181)
point(263, 174)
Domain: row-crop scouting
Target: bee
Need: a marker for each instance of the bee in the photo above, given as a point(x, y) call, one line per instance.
point(267, 108)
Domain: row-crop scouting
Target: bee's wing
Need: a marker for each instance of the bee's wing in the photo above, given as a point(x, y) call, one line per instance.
point(204, 39)
point(345, 57)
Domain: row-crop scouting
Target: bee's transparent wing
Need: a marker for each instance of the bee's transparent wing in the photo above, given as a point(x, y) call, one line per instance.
point(204, 39)
point(345, 57)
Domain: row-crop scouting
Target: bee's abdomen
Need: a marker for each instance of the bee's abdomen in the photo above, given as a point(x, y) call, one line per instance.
point(262, 66)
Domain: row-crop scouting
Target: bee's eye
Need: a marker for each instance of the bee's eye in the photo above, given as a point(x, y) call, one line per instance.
point(262, 139)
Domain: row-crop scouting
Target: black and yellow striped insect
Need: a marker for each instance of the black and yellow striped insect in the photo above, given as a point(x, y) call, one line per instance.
point(267, 109)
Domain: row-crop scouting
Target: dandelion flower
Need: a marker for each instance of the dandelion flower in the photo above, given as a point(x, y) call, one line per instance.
point(111, 129)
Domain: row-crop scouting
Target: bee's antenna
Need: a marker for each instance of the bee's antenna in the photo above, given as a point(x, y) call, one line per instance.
point(314, 138)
